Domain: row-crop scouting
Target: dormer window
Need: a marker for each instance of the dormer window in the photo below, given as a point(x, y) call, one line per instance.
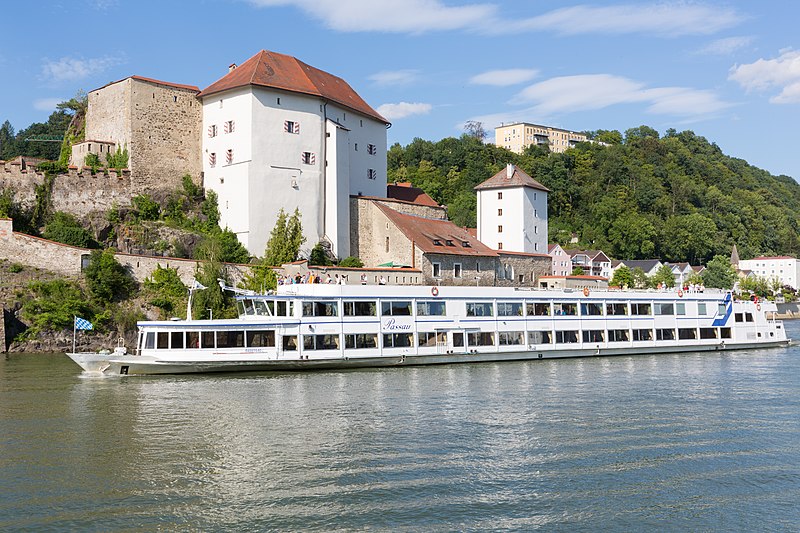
point(448, 242)
point(437, 242)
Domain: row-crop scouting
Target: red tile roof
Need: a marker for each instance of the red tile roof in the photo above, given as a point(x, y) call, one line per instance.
point(154, 81)
point(405, 192)
point(511, 176)
point(425, 232)
point(279, 71)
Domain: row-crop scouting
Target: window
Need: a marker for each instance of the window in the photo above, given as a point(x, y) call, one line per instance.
point(642, 334)
point(387, 244)
point(499, 212)
point(591, 309)
point(738, 317)
point(499, 245)
point(308, 158)
point(437, 270)
point(355, 147)
point(321, 342)
point(361, 340)
point(510, 338)
point(721, 309)
point(480, 338)
point(566, 337)
point(279, 100)
point(320, 308)
point(230, 339)
point(724, 333)
point(500, 196)
point(290, 126)
point(708, 333)
point(212, 130)
point(228, 126)
point(509, 308)
point(176, 339)
point(430, 339)
point(458, 340)
point(372, 149)
point(208, 339)
point(748, 317)
point(499, 229)
point(212, 159)
point(665, 334)
point(357, 308)
point(480, 309)
point(618, 335)
point(372, 174)
point(398, 340)
point(593, 335)
point(431, 308)
point(640, 309)
point(701, 309)
point(680, 308)
point(260, 338)
point(537, 309)
point(687, 333)
point(396, 308)
point(456, 270)
point(285, 308)
point(616, 309)
point(289, 343)
point(540, 337)
point(565, 309)
point(663, 309)
point(229, 156)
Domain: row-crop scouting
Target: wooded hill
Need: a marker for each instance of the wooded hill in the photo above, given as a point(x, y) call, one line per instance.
point(635, 196)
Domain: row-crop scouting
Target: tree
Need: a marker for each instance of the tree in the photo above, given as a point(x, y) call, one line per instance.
point(663, 277)
point(166, 291)
point(623, 277)
point(318, 257)
point(66, 229)
point(351, 262)
point(210, 271)
point(631, 236)
point(260, 279)
point(285, 239)
point(473, 128)
point(107, 279)
point(719, 273)
point(7, 142)
point(640, 280)
point(577, 271)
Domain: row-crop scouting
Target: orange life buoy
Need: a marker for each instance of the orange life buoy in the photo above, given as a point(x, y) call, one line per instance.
point(680, 293)
point(435, 291)
point(586, 291)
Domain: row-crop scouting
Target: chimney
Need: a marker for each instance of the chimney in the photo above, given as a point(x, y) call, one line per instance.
point(231, 67)
point(509, 171)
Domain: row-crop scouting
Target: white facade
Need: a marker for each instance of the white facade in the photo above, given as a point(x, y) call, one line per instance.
point(562, 263)
point(275, 158)
point(513, 219)
point(784, 268)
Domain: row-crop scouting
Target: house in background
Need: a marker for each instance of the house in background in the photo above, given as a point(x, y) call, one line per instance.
point(593, 262)
point(648, 266)
point(562, 262)
point(784, 268)
point(518, 136)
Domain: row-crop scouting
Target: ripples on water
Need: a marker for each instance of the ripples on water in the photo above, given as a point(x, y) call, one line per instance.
point(691, 442)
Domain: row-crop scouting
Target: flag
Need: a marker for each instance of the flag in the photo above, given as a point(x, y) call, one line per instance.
point(81, 323)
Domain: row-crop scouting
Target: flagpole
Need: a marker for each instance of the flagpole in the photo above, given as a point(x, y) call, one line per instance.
point(74, 333)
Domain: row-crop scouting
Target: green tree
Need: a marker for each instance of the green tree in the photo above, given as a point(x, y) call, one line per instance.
point(260, 279)
point(351, 262)
point(663, 276)
point(318, 257)
point(285, 239)
point(8, 149)
point(65, 228)
point(623, 277)
point(210, 271)
point(640, 279)
point(232, 251)
point(146, 207)
point(631, 236)
point(107, 279)
point(165, 290)
point(719, 273)
point(577, 271)
point(51, 305)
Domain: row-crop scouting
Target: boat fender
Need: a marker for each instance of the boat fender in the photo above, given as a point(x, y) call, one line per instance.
point(435, 291)
point(586, 291)
point(680, 293)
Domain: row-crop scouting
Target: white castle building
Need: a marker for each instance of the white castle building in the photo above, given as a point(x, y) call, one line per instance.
point(278, 133)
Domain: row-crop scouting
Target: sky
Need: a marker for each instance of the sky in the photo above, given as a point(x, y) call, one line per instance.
point(727, 70)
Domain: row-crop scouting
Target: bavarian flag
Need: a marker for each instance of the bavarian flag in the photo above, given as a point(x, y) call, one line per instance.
point(81, 323)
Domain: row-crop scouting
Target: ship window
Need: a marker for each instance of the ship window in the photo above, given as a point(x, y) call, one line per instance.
point(701, 309)
point(565, 308)
point(285, 308)
point(509, 308)
point(150, 340)
point(357, 308)
point(249, 309)
point(687, 333)
point(361, 340)
point(163, 340)
point(509, 338)
point(591, 309)
point(207, 339)
point(540, 337)
point(664, 309)
point(721, 309)
point(708, 333)
point(724, 333)
point(640, 309)
point(431, 308)
point(320, 308)
point(538, 309)
point(616, 309)
point(398, 340)
point(260, 339)
point(289, 343)
point(192, 339)
point(265, 307)
point(665, 334)
point(748, 317)
point(396, 308)
point(566, 337)
point(430, 339)
point(480, 338)
point(642, 334)
point(480, 309)
point(680, 308)
point(458, 340)
point(230, 339)
point(320, 342)
point(739, 317)
point(618, 335)
point(593, 335)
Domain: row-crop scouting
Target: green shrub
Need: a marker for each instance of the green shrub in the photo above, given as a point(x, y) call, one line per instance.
point(53, 304)
point(66, 229)
point(165, 290)
point(107, 279)
point(351, 262)
point(146, 207)
point(15, 267)
point(118, 159)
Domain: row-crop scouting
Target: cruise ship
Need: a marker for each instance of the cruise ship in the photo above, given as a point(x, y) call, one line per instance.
point(319, 326)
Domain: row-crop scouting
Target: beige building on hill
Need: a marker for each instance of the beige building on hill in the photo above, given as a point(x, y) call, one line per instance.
point(158, 123)
point(518, 136)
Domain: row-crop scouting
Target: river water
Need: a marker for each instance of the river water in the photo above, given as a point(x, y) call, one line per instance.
point(691, 442)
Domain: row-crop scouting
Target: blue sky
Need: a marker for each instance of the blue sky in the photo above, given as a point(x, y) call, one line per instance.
point(728, 70)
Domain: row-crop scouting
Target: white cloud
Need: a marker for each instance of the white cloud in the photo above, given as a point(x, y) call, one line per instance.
point(782, 73)
point(388, 78)
point(504, 78)
point(47, 104)
point(403, 110)
point(727, 46)
point(598, 91)
point(666, 19)
point(74, 69)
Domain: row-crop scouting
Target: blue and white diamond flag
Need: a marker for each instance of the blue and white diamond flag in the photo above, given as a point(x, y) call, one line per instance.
point(82, 323)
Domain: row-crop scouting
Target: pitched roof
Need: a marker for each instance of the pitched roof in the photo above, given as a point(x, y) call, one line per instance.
point(591, 254)
point(405, 192)
point(645, 264)
point(279, 71)
point(511, 176)
point(156, 82)
point(426, 233)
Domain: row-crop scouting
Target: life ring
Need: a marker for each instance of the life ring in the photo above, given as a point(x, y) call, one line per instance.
point(435, 291)
point(680, 293)
point(586, 291)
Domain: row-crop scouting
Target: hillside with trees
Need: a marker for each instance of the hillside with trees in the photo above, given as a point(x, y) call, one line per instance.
point(638, 195)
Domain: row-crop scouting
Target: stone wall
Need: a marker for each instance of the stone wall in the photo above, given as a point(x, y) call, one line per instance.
point(3, 340)
point(475, 270)
point(369, 230)
point(522, 270)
